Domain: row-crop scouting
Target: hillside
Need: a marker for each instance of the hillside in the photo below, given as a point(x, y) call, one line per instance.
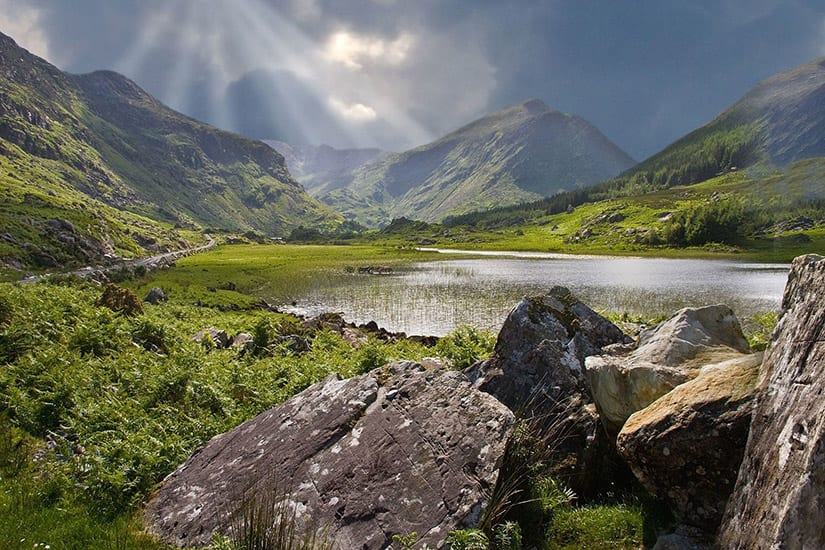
point(779, 121)
point(772, 130)
point(93, 167)
point(519, 154)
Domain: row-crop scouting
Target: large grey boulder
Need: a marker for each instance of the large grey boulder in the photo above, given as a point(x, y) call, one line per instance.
point(779, 498)
point(686, 446)
point(403, 448)
point(537, 368)
point(625, 380)
point(540, 350)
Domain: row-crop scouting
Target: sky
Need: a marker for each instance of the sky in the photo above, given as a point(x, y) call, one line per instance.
point(395, 74)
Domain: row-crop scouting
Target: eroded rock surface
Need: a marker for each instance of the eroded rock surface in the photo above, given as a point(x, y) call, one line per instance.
point(686, 447)
point(779, 498)
point(626, 380)
point(541, 348)
point(403, 448)
point(538, 365)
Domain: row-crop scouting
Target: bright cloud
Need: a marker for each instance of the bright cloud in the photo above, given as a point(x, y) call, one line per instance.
point(24, 27)
point(356, 112)
point(353, 50)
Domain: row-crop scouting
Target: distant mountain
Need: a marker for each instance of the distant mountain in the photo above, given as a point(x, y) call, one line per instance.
point(780, 121)
point(519, 154)
point(317, 166)
point(775, 134)
point(113, 170)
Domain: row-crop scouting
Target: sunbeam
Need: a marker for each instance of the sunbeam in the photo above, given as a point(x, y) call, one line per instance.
point(208, 50)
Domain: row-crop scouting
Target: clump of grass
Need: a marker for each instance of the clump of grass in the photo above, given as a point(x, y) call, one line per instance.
point(465, 346)
point(271, 522)
point(600, 526)
point(762, 327)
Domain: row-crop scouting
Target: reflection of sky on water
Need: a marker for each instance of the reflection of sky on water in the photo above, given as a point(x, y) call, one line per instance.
point(435, 297)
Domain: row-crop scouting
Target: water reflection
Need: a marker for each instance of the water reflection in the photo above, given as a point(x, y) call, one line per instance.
point(435, 297)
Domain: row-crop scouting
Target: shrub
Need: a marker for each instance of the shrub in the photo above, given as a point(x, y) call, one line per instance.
point(618, 526)
point(465, 346)
point(121, 300)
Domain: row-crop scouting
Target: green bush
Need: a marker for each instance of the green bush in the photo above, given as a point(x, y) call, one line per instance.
point(617, 526)
point(465, 346)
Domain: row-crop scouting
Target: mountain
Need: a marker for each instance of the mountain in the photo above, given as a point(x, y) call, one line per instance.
point(315, 166)
point(779, 121)
point(765, 155)
point(519, 154)
point(93, 166)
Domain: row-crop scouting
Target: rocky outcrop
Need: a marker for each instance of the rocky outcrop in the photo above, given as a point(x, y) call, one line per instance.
point(626, 380)
point(537, 368)
point(541, 348)
point(779, 498)
point(155, 296)
point(686, 447)
point(212, 337)
point(403, 448)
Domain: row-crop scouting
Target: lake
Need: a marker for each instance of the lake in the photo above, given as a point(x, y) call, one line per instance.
point(434, 297)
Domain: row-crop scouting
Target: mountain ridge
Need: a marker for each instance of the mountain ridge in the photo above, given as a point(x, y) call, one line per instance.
point(144, 173)
point(517, 154)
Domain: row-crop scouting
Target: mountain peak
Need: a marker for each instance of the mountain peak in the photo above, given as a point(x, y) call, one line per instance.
point(535, 106)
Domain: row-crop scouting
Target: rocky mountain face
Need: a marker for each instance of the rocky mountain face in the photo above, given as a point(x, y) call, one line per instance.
point(521, 153)
point(97, 154)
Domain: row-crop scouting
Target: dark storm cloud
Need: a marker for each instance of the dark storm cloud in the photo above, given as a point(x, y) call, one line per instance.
point(395, 73)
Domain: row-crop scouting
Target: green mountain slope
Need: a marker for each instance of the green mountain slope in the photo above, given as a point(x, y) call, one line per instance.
point(92, 166)
point(781, 120)
point(518, 154)
point(778, 124)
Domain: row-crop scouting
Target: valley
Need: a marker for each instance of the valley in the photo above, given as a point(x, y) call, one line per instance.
point(168, 288)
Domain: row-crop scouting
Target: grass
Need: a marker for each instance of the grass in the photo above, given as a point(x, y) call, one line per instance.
point(283, 272)
point(124, 400)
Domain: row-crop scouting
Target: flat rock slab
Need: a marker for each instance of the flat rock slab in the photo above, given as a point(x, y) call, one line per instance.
point(779, 498)
point(403, 448)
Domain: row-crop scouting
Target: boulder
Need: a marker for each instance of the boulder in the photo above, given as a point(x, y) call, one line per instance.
point(243, 342)
point(216, 337)
point(779, 498)
point(686, 446)
point(403, 448)
point(626, 380)
point(684, 537)
point(155, 296)
point(537, 369)
point(541, 348)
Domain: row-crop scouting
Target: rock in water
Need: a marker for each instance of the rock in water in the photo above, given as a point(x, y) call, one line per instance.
point(667, 355)
point(686, 446)
point(779, 498)
point(537, 366)
point(403, 448)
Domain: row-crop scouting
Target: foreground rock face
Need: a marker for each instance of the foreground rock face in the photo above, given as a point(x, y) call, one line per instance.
point(541, 348)
point(779, 499)
point(625, 381)
point(538, 365)
point(400, 449)
point(686, 447)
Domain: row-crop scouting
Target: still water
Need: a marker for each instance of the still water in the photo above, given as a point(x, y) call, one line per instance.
point(435, 297)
